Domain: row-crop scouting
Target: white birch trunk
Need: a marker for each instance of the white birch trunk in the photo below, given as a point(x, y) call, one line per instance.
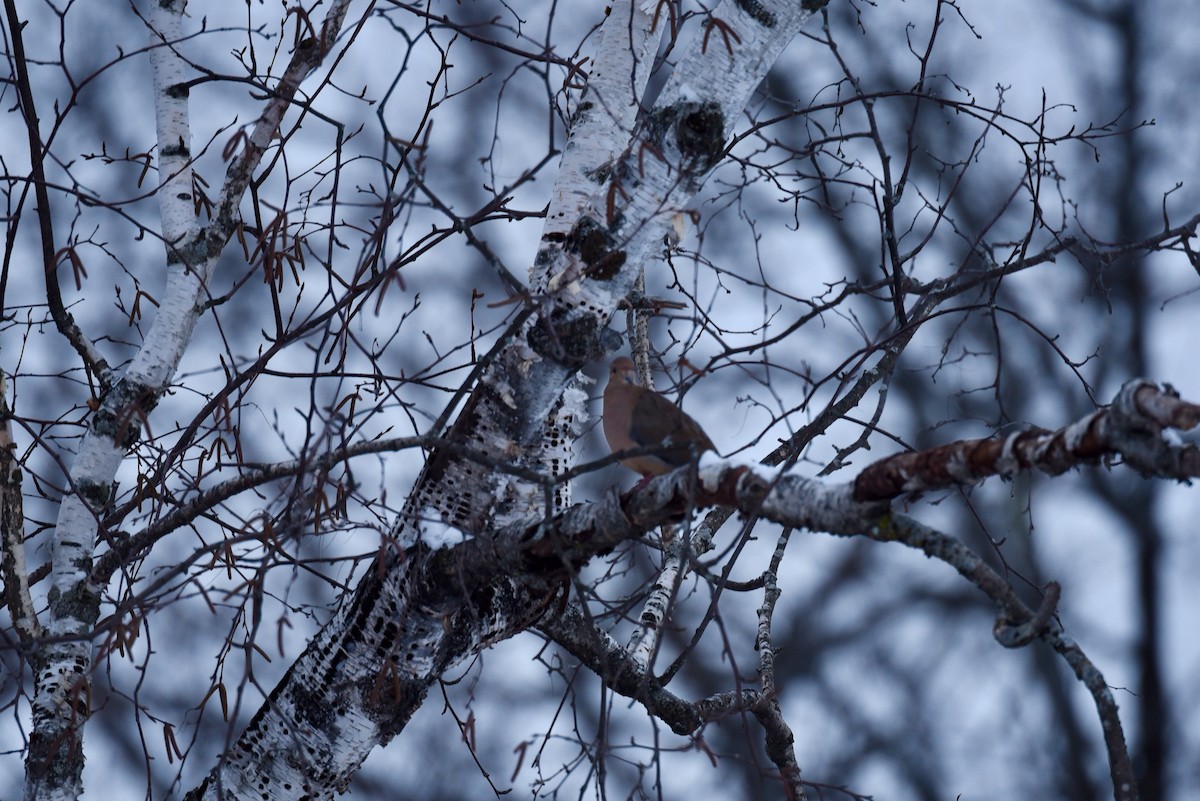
point(54, 761)
point(365, 674)
point(602, 124)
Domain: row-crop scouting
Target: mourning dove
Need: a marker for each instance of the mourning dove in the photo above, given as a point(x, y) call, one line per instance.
point(637, 417)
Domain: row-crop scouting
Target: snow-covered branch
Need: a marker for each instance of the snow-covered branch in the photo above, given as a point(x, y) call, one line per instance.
point(1142, 426)
point(433, 602)
point(452, 591)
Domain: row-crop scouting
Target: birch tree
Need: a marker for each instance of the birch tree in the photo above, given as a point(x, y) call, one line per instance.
point(321, 446)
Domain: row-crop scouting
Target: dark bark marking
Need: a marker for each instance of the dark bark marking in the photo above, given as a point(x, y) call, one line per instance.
point(757, 12)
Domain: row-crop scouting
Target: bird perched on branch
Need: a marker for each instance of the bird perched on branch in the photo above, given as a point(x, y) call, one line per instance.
point(638, 417)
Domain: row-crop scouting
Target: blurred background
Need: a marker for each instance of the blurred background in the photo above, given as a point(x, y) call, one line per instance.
point(1015, 128)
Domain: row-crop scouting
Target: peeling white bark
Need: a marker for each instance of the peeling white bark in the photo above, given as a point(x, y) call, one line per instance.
point(405, 624)
point(603, 121)
point(422, 610)
point(624, 221)
point(61, 668)
point(55, 763)
point(665, 166)
point(172, 122)
point(644, 640)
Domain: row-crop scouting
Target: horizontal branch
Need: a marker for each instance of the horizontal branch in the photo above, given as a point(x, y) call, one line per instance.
point(1134, 427)
point(1138, 427)
point(430, 606)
